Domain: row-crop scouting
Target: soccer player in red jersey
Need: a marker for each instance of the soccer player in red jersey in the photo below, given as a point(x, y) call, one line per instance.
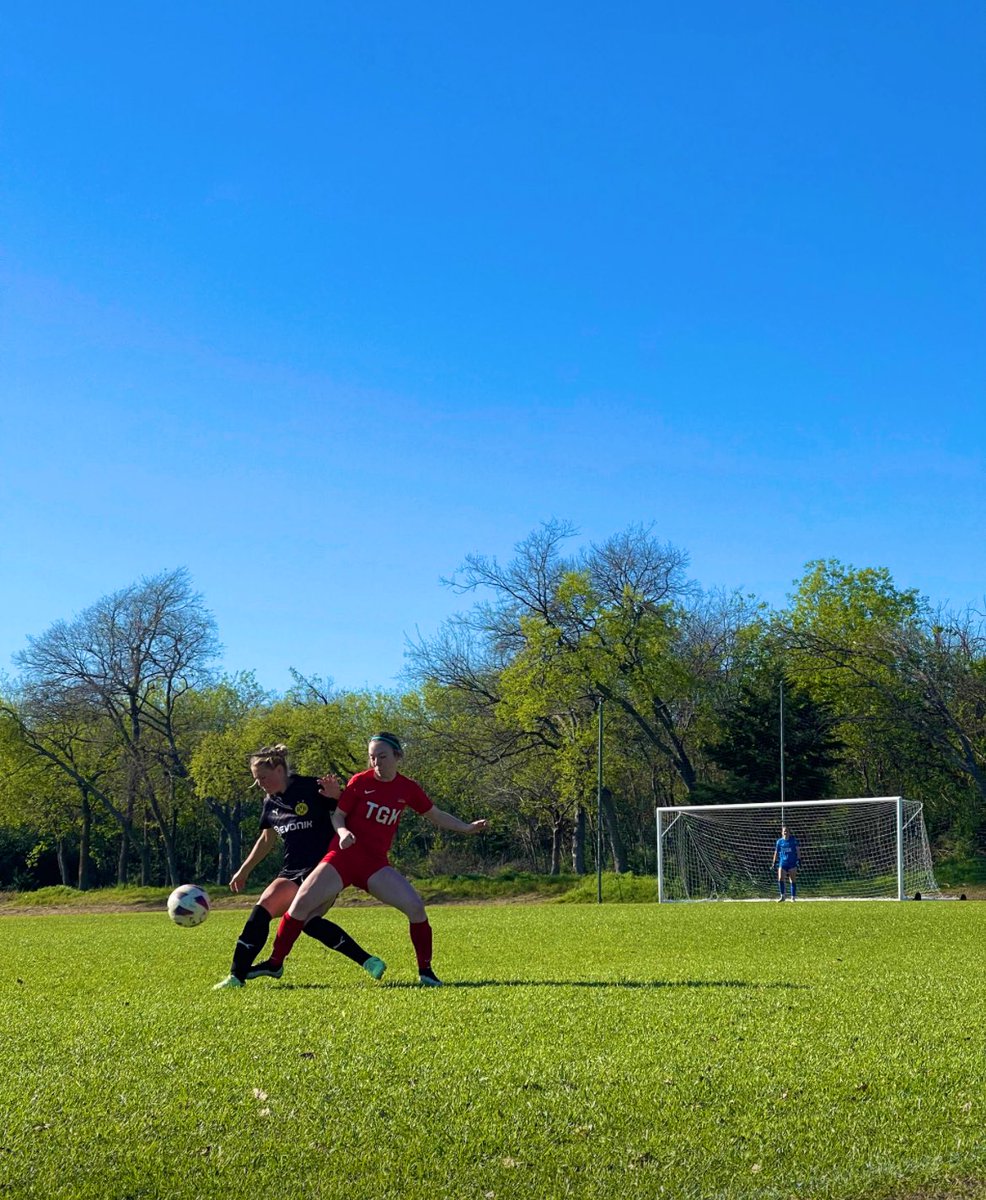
point(365, 820)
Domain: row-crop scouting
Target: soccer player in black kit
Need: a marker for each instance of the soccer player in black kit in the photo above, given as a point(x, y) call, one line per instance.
point(300, 814)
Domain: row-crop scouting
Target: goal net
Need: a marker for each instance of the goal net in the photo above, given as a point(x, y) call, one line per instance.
point(872, 849)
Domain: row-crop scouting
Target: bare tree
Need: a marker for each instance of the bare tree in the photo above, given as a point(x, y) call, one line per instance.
point(129, 660)
point(617, 620)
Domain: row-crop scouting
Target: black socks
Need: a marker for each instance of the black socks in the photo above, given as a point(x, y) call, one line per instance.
point(329, 934)
point(251, 941)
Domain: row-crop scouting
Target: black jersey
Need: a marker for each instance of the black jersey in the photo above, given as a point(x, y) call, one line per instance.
point(302, 817)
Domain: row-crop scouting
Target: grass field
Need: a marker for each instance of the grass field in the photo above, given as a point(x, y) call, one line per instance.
point(775, 1051)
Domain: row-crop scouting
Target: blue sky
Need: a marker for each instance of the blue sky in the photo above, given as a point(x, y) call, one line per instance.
point(316, 301)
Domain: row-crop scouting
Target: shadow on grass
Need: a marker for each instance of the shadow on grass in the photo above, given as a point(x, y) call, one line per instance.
point(628, 984)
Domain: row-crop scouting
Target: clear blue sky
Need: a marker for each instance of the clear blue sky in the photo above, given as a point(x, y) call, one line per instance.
point(316, 299)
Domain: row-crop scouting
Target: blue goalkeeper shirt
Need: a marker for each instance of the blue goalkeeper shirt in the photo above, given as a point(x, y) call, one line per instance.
point(787, 853)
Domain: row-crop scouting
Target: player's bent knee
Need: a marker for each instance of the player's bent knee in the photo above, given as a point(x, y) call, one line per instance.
point(304, 907)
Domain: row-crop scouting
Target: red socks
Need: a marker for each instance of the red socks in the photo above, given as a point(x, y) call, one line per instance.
point(421, 941)
point(288, 933)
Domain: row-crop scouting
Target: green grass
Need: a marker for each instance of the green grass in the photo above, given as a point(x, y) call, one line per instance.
point(98, 897)
point(505, 885)
point(959, 872)
point(619, 889)
point(708, 1051)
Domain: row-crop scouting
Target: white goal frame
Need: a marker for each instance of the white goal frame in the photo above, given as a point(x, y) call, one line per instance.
point(907, 872)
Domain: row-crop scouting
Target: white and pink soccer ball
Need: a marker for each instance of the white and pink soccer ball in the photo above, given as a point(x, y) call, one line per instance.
point(188, 905)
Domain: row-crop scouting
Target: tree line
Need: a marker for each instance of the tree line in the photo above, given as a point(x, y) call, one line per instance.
point(124, 754)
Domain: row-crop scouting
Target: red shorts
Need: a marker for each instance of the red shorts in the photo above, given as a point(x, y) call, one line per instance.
point(355, 865)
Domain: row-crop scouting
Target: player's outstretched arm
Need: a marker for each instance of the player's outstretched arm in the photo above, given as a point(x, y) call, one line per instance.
point(261, 848)
point(445, 820)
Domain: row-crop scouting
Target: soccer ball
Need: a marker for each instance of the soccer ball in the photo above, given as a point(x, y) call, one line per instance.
point(188, 905)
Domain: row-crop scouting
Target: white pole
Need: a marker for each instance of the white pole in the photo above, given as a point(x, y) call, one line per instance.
point(599, 806)
point(782, 752)
point(900, 847)
point(660, 859)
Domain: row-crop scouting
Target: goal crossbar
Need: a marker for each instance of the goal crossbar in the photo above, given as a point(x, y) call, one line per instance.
point(777, 804)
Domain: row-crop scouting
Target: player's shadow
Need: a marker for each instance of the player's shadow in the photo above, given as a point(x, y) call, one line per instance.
point(623, 984)
point(627, 984)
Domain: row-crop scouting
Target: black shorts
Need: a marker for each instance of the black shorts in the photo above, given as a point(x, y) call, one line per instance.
point(297, 877)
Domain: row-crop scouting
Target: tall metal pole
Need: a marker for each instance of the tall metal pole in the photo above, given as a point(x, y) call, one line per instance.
point(599, 806)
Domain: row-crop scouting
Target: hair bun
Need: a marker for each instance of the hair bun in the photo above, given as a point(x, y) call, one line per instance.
point(271, 756)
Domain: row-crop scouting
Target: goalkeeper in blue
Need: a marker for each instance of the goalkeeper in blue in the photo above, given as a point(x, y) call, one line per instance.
point(787, 862)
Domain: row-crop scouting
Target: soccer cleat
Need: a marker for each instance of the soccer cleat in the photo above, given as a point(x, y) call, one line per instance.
point(428, 978)
point(266, 970)
point(229, 982)
point(375, 966)
point(781, 899)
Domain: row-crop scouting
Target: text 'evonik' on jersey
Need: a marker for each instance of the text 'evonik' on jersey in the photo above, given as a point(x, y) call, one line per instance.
point(302, 817)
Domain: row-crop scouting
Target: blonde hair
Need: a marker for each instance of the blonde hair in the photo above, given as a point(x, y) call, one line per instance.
point(271, 756)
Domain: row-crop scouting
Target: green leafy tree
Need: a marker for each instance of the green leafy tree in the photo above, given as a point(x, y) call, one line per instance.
point(619, 622)
point(907, 682)
point(748, 750)
point(69, 767)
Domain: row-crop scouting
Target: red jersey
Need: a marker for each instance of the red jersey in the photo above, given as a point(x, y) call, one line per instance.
point(373, 808)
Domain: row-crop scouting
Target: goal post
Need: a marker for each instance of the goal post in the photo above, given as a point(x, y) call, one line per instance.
point(873, 848)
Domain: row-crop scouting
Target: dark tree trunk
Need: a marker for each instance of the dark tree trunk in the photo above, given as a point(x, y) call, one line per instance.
point(167, 841)
point(236, 837)
point(145, 855)
point(125, 839)
point(578, 842)
point(616, 845)
point(62, 864)
point(85, 837)
point(557, 835)
point(533, 849)
point(231, 838)
point(224, 870)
